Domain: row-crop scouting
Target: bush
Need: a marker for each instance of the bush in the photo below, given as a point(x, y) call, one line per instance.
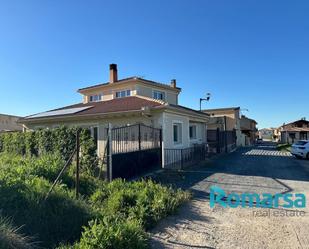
point(60, 141)
point(119, 211)
point(111, 233)
point(59, 218)
point(144, 201)
point(11, 238)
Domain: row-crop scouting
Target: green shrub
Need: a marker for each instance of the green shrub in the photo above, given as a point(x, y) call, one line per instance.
point(144, 201)
point(111, 233)
point(11, 238)
point(60, 141)
point(58, 219)
point(120, 211)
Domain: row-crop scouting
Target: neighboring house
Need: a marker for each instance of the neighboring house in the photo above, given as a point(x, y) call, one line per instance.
point(294, 131)
point(9, 123)
point(277, 134)
point(248, 128)
point(129, 101)
point(225, 119)
point(267, 134)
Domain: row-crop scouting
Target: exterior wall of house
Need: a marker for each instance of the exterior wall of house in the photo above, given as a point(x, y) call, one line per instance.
point(109, 91)
point(266, 134)
point(293, 136)
point(248, 128)
point(221, 122)
point(294, 131)
point(168, 136)
point(233, 122)
point(9, 123)
point(201, 133)
point(168, 121)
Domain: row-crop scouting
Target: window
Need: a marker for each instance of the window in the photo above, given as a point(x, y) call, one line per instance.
point(158, 95)
point(122, 94)
point(177, 133)
point(96, 97)
point(192, 131)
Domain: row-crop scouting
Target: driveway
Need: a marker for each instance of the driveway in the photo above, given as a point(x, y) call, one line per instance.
point(259, 169)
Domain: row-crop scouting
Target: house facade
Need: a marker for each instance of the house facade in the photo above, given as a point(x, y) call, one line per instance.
point(248, 129)
point(226, 119)
point(268, 134)
point(9, 123)
point(126, 102)
point(294, 131)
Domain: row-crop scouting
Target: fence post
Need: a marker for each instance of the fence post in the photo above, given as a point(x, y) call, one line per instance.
point(77, 164)
point(218, 140)
point(110, 153)
point(161, 149)
point(139, 137)
point(181, 161)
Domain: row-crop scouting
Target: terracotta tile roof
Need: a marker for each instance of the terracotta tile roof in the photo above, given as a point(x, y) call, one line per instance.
point(132, 103)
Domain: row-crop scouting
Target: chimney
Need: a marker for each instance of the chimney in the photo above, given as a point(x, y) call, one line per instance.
point(113, 74)
point(173, 83)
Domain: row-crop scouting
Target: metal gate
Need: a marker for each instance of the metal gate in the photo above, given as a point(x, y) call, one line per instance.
point(221, 141)
point(135, 150)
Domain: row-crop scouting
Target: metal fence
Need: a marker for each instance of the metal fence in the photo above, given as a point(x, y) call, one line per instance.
point(221, 141)
point(135, 138)
point(181, 158)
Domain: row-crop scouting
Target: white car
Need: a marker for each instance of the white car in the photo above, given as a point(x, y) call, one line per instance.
point(300, 149)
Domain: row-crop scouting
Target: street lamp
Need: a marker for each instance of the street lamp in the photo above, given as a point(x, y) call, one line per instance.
point(204, 99)
point(243, 110)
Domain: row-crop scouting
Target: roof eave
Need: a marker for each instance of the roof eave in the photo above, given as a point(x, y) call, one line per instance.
point(147, 82)
point(76, 117)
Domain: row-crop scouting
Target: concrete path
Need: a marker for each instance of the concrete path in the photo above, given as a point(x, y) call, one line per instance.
point(259, 169)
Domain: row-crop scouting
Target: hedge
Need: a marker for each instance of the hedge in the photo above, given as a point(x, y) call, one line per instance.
point(60, 141)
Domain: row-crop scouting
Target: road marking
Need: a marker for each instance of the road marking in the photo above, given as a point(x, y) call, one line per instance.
point(256, 152)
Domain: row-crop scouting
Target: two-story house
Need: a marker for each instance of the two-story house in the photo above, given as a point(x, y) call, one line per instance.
point(248, 129)
point(225, 119)
point(128, 101)
point(294, 131)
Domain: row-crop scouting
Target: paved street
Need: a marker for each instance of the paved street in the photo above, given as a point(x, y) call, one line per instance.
point(260, 169)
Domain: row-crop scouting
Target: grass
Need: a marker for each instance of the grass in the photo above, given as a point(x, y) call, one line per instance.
point(108, 215)
point(284, 147)
point(12, 238)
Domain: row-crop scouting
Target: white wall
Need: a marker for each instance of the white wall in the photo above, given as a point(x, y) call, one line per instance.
point(168, 121)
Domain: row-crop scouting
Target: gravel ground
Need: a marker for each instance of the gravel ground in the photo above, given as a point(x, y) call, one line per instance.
point(258, 169)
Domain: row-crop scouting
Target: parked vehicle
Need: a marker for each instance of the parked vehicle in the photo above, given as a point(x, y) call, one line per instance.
point(259, 140)
point(300, 149)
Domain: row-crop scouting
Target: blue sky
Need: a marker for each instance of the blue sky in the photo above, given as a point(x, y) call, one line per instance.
point(252, 54)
